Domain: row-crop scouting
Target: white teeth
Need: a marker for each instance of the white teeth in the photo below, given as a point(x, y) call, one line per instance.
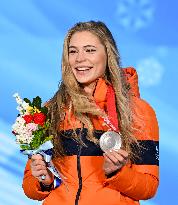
point(83, 68)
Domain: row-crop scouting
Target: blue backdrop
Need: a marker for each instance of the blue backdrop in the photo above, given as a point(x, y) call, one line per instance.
point(31, 39)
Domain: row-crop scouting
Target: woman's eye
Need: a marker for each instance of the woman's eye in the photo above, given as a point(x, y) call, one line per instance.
point(72, 51)
point(90, 50)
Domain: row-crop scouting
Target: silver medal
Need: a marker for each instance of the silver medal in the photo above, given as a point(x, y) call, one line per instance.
point(110, 140)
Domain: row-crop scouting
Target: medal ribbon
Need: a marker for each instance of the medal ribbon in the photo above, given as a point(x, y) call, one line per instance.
point(111, 120)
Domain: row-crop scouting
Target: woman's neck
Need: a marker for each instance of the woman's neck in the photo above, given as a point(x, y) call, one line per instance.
point(89, 89)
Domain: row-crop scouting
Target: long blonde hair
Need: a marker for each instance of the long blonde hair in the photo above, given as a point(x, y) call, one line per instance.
point(70, 92)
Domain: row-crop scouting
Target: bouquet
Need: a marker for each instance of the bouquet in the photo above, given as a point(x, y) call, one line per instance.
point(30, 129)
point(32, 123)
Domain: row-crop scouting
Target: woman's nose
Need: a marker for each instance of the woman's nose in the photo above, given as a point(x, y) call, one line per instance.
point(80, 56)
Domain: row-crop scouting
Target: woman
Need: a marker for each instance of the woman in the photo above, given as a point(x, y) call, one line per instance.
point(93, 87)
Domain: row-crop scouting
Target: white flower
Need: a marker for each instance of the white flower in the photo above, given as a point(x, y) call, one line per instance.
point(15, 95)
point(22, 105)
point(24, 132)
point(24, 138)
point(20, 120)
point(19, 125)
point(19, 108)
point(25, 105)
point(19, 100)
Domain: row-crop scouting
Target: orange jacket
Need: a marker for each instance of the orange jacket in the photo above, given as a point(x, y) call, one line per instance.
point(83, 167)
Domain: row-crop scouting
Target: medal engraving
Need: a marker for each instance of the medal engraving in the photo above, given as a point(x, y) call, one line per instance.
point(110, 140)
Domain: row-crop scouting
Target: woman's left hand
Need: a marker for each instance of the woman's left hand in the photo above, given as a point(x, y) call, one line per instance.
point(114, 160)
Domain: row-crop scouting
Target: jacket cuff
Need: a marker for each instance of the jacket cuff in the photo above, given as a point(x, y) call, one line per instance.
point(118, 176)
point(33, 190)
point(112, 174)
point(46, 187)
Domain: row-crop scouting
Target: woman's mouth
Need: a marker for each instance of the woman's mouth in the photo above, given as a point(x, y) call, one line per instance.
point(83, 70)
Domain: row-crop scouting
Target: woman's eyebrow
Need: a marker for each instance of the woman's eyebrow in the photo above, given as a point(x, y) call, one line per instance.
point(72, 47)
point(89, 46)
point(83, 46)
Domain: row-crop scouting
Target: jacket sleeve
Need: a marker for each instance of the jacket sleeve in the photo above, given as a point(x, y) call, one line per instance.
point(31, 185)
point(140, 179)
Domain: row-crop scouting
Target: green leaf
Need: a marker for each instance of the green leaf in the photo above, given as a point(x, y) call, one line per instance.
point(44, 110)
point(25, 147)
point(48, 138)
point(37, 102)
point(27, 101)
point(36, 141)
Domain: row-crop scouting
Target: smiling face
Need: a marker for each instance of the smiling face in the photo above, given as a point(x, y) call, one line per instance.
point(87, 57)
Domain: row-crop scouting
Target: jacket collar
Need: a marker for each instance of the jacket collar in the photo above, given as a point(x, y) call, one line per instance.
point(131, 77)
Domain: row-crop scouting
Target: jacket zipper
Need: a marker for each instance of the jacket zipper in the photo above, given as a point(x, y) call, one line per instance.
point(79, 176)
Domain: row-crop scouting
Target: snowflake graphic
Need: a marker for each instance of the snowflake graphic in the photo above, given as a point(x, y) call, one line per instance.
point(150, 71)
point(135, 14)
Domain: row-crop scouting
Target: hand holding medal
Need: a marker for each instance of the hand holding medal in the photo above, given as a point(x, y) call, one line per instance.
point(111, 141)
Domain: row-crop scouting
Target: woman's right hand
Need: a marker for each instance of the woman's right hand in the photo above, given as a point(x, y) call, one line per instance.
point(38, 169)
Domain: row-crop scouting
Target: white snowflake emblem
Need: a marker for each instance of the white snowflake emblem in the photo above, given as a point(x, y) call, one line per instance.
point(135, 14)
point(150, 71)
